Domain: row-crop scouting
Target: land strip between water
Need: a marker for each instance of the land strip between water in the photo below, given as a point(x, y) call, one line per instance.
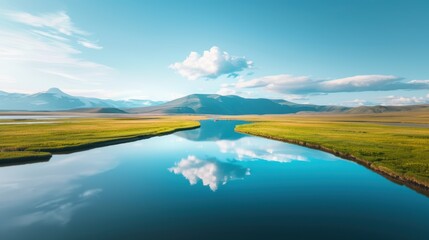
point(24, 143)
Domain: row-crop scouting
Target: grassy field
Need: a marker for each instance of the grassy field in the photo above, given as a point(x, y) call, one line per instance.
point(395, 144)
point(27, 142)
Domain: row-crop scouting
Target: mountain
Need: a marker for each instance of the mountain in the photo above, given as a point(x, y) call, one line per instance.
point(381, 109)
point(231, 105)
point(97, 110)
point(56, 100)
point(213, 131)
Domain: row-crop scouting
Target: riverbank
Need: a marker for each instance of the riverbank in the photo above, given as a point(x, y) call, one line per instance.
point(24, 143)
point(399, 152)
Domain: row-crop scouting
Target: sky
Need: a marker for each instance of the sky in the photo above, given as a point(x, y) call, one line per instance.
point(339, 52)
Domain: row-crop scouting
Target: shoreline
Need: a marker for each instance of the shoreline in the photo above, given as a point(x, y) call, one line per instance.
point(412, 183)
point(4, 162)
point(13, 161)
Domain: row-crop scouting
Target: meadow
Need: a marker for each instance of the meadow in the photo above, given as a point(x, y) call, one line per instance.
point(32, 142)
point(394, 144)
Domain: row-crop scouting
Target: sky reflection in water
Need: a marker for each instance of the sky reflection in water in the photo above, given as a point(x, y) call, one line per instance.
point(181, 185)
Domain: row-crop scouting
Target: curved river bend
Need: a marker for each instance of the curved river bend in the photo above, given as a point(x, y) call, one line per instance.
point(207, 183)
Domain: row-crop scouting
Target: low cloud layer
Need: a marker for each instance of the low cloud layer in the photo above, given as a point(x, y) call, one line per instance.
point(212, 64)
point(401, 101)
point(288, 84)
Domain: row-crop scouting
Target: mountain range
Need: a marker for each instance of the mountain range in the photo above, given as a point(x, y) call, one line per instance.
point(56, 100)
point(231, 105)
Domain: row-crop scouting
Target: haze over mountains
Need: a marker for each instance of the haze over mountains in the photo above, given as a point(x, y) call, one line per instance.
point(56, 100)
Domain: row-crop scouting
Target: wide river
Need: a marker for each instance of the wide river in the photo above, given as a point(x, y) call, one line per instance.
point(207, 183)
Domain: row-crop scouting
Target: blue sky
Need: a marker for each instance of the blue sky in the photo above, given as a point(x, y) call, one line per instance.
point(323, 52)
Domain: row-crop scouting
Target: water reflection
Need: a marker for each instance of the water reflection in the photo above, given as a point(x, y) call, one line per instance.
point(57, 211)
point(213, 131)
point(211, 172)
point(48, 192)
point(258, 149)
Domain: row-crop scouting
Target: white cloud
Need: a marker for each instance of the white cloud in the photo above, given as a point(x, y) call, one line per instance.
point(226, 91)
point(357, 102)
point(50, 35)
point(211, 64)
point(91, 45)
point(61, 74)
point(58, 21)
point(400, 100)
point(288, 84)
point(91, 192)
point(210, 171)
point(47, 50)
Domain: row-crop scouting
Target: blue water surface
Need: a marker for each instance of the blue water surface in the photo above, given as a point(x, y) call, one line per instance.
point(207, 183)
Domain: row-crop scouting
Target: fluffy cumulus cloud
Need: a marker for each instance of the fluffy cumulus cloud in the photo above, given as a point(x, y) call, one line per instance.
point(288, 84)
point(211, 172)
point(211, 64)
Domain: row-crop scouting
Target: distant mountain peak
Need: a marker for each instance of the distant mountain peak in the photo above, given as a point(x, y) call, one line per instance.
point(55, 99)
point(55, 91)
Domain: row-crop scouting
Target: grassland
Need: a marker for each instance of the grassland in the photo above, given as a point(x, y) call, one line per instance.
point(394, 144)
point(36, 142)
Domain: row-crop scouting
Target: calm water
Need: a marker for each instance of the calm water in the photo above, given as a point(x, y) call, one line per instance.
point(209, 183)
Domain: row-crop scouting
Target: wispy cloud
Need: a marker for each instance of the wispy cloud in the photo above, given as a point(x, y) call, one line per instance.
point(48, 44)
point(288, 84)
point(212, 64)
point(91, 45)
point(58, 21)
point(61, 74)
point(50, 35)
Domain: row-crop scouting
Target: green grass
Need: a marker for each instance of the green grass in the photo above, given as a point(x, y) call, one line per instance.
point(26, 141)
point(399, 151)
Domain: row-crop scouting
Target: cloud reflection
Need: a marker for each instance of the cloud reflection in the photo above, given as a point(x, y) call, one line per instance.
point(58, 211)
point(48, 192)
point(255, 150)
point(211, 172)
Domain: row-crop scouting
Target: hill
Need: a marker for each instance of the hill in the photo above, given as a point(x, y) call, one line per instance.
point(382, 109)
point(97, 110)
point(231, 105)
